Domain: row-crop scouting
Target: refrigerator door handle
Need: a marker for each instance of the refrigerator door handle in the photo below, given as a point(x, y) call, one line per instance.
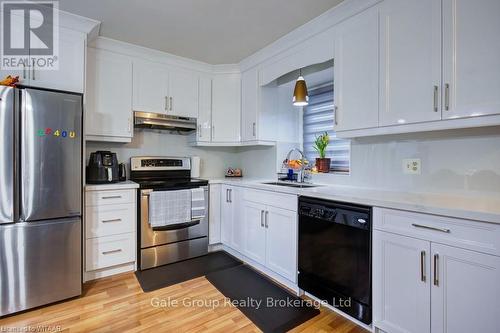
point(7, 155)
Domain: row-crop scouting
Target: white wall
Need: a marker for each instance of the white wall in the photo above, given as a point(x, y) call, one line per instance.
point(460, 161)
point(214, 160)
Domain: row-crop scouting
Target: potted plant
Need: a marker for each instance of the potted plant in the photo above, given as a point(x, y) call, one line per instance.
point(320, 144)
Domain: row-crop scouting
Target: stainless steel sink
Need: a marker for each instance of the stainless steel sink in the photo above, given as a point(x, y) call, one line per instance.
point(297, 185)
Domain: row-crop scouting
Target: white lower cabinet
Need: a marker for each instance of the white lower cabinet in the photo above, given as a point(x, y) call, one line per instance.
point(254, 230)
point(465, 291)
point(262, 226)
point(281, 242)
point(401, 293)
point(231, 229)
point(110, 232)
point(214, 214)
point(422, 285)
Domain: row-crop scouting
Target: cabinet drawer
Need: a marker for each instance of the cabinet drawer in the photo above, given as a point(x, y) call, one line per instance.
point(279, 200)
point(472, 235)
point(109, 220)
point(97, 198)
point(109, 251)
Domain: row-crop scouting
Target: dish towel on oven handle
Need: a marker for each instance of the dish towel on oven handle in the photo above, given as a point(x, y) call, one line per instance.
point(169, 207)
point(198, 209)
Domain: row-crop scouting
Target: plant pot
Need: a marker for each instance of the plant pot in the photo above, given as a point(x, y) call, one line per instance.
point(323, 165)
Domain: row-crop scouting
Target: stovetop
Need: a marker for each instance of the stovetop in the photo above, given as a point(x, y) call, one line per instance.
point(170, 183)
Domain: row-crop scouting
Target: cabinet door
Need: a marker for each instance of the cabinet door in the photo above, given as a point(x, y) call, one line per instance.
point(249, 104)
point(254, 244)
point(356, 72)
point(214, 218)
point(71, 65)
point(226, 217)
point(22, 68)
point(226, 108)
point(183, 93)
point(281, 242)
point(401, 279)
point(465, 291)
point(237, 235)
point(109, 95)
point(471, 60)
point(204, 120)
point(410, 61)
point(150, 92)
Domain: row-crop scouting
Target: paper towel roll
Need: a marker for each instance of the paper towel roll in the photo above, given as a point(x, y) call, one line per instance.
point(195, 166)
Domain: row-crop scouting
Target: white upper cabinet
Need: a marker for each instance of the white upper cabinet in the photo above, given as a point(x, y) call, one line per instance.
point(204, 120)
point(471, 61)
point(465, 291)
point(150, 87)
point(249, 104)
point(17, 26)
point(162, 89)
point(410, 61)
point(108, 111)
point(70, 76)
point(183, 93)
point(226, 107)
point(356, 74)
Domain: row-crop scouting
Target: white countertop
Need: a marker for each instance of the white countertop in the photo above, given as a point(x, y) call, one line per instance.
point(128, 184)
point(486, 209)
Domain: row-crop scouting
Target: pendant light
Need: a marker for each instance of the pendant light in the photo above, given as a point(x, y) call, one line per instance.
point(300, 95)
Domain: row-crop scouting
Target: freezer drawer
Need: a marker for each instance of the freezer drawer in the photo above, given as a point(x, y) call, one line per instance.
point(40, 263)
point(51, 150)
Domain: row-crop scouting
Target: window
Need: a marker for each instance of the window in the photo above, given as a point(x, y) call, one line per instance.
point(318, 118)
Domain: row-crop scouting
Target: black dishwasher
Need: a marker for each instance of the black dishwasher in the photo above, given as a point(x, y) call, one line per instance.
point(335, 254)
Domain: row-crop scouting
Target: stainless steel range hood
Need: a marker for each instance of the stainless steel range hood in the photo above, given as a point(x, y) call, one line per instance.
point(164, 122)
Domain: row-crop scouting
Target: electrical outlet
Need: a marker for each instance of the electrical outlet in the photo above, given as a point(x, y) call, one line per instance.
point(412, 166)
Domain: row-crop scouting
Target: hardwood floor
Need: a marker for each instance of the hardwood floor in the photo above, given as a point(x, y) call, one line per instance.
point(117, 304)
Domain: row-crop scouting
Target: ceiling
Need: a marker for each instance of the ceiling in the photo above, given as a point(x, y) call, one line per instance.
point(212, 31)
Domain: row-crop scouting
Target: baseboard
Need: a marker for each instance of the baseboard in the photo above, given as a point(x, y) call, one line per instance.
point(105, 272)
point(215, 247)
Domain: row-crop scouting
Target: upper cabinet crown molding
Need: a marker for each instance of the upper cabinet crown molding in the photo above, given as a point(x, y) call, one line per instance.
point(308, 30)
point(144, 53)
point(88, 26)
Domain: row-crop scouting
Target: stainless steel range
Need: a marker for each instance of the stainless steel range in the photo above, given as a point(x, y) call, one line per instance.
point(165, 244)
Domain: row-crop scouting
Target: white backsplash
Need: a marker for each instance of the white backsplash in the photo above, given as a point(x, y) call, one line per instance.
point(214, 160)
point(459, 161)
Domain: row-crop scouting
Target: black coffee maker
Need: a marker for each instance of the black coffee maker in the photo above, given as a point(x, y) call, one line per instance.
point(103, 168)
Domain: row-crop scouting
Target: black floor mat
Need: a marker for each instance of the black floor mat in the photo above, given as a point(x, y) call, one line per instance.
point(164, 276)
point(241, 285)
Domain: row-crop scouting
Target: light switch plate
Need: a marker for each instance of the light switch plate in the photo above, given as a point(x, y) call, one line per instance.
point(412, 166)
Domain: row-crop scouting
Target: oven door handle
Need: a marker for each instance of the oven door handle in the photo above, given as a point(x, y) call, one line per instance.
point(177, 226)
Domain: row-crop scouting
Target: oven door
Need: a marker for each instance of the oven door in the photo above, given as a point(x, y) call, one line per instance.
point(185, 231)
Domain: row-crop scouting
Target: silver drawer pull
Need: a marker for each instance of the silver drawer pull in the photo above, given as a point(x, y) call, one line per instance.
point(431, 228)
point(113, 197)
point(113, 220)
point(112, 251)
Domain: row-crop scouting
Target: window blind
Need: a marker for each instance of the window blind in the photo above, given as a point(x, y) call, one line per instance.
point(318, 119)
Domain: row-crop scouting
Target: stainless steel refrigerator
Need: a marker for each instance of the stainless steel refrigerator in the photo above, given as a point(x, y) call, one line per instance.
point(40, 197)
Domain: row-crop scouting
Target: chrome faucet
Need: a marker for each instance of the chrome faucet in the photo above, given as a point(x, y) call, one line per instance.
point(301, 175)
